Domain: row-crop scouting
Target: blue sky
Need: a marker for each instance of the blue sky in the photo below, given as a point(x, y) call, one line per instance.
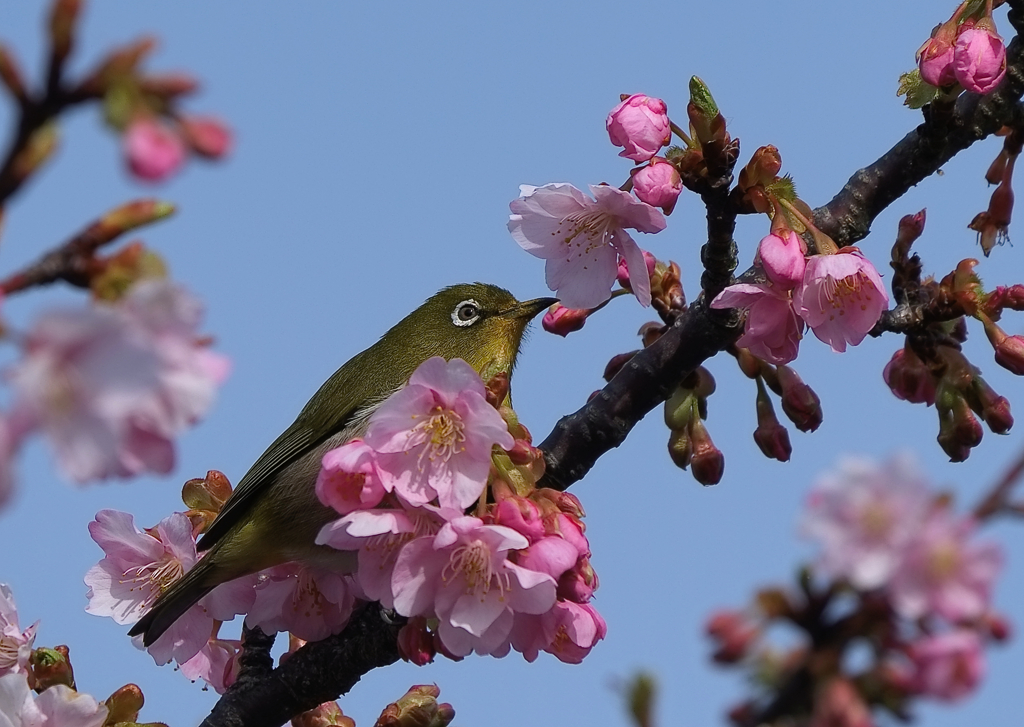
point(378, 147)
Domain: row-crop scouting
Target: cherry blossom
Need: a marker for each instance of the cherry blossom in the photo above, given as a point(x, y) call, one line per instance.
point(64, 707)
point(948, 666)
point(434, 437)
point(15, 643)
point(783, 259)
point(17, 707)
point(581, 238)
point(942, 572)
point(216, 664)
point(841, 298)
point(864, 515)
point(349, 479)
point(658, 184)
point(311, 603)
point(111, 385)
point(771, 329)
point(463, 576)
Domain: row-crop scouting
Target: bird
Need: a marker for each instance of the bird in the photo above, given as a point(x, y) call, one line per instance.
point(273, 516)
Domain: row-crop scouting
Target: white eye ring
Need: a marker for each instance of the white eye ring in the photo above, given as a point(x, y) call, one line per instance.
point(466, 308)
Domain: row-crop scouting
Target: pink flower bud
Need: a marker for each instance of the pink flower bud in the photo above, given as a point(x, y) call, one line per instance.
point(640, 125)
point(622, 275)
point(799, 402)
point(909, 378)
point(935, 60)
point(1010, 354)
point(979, 59)
point(153, 151)
point(707, 461)
point(563, 321)
point(207, 136)
point(733, 634)
point(578, 583)
point(415, 642)
point(783, 259)
point(658, 184)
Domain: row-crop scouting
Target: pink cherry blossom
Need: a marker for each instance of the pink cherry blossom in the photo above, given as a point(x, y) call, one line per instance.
point(783, 259)
point(942, 572)
point(15, 643)
point(463, 576)
point(864, 515)
point(62, 706)
point(841, 298)
point(111, 385)
point(311, 603)
point(622, 272)
point(979, 59)
point(216, 664)
point(948, 666)
point(771, 329)
point(206, 136)
point(434, 437)
point(152, 149)
point(349, 479)
point(568, 631)
point(379, 536)
point(658, 184)
point(17, 706)
point(137, 566)
point(640, 124)
point(581, 239)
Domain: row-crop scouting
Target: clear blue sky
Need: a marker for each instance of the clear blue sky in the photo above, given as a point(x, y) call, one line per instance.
point(378, 147)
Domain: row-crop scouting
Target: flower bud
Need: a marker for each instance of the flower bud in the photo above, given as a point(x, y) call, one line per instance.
point(762, 169)
point(909, 378)
point(733, 634)
point(707, 461)
point(994, 409)
point(328, 714)
point(782, 257)
point(979, 58)
point(650, 332)
point(124, 705)
point(639, 124)
point(50, 667)
point(680, 408)
point(998, 627)
point(1009, 349)
point(658, 184)
point(168, 85)
point(10, 74)
point(417, 708)
point(680, 448)
point(563, 321)
point(415, 642)
point(799, 402)
point(578, 583)
point(622, 273)
point(206, 136)
point(910, 228)
point(152, 150)
point(935, 57)
point(616, 363)
point(839, 704)
point(771, 437)
point(708, 123)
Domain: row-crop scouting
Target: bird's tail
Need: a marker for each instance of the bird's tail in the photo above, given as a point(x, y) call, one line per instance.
point(172, 604)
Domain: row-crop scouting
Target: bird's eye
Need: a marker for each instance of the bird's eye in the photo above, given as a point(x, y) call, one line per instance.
point(466, 313)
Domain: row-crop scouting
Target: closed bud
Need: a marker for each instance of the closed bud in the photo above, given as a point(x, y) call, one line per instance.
point(680, 408)
point(114, 275)
point(658, 184)
point(705, 118)
point(680, 448)
point(622, 272)
point(616, 363)
point(770, 436)
point(733, 634)
point(909, 378)
point(995, 409)
point(11, 75)
point(651, 332)
point(51, 667)
point(497, 389)
point(206, 136)
point(998, 627)
point(562, 321)
point(522, 453)
point(578, 583)
point(418, 708)
point(168, 85)
point(62, 26)
point(994, 174)
point(799, 402)
point(415, 642)
point(762, 169)
point(707, 461)
point(1009, 349)
point(910, 228)
point(124, 705)
point(328, 714)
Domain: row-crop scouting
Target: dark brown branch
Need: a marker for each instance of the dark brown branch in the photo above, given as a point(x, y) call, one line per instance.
point(997, 501)
point(318, 672)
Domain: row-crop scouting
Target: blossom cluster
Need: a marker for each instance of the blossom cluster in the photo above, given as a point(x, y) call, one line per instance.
point(898, 568)
point(471, 572)
point(513, 574)
point(112, 384)
point(839, 296)
point(966, 51)
point(37, 686)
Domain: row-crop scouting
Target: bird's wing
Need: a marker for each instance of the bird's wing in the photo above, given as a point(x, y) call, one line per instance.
point(321, 418)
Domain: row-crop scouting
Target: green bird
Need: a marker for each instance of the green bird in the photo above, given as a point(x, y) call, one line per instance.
point(273, 516)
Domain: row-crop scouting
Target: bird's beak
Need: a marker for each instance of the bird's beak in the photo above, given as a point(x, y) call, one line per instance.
point(530, 308)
